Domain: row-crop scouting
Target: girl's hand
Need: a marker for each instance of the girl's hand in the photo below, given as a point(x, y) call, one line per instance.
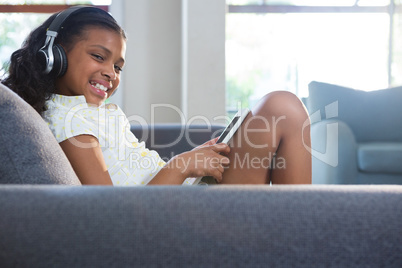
point(208, 143)
point(204, 160)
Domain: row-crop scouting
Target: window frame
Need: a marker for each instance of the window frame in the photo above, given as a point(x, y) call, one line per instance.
point(41, 8)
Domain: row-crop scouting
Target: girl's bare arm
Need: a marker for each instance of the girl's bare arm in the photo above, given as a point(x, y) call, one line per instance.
point(85, 156)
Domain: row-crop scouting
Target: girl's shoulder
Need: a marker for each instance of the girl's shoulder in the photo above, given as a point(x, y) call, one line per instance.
point(63, 103)
point(69, 116)
point(77, 106)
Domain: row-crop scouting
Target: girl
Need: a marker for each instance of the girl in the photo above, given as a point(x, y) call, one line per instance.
point(270, 146)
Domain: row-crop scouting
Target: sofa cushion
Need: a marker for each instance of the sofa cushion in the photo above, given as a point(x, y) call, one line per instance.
point(372, 116)
point(29, 154)
point(380, 157)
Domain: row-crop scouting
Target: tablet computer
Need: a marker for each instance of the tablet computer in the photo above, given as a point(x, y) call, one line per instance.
point(233, 126)
point(225, 137)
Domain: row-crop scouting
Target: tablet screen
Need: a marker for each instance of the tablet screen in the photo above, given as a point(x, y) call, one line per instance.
point(228, 128)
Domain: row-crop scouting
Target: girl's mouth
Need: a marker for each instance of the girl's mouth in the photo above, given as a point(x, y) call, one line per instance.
point(99, 86)
point(99, 89)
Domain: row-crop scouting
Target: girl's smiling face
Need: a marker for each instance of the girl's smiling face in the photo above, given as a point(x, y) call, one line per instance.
point(94, 66)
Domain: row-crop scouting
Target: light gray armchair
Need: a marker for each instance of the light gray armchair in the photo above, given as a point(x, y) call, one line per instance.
point(356, 135)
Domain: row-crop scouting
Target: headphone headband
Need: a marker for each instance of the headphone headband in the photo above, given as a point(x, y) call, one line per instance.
point(63, 15)
point(53, 56)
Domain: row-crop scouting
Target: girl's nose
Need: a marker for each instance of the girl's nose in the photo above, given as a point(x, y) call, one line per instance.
point(110, 74)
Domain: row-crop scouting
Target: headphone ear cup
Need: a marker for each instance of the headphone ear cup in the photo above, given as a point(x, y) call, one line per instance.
point(60, 61)
point(42, 59)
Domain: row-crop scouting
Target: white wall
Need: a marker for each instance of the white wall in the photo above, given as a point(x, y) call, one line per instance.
point(175, 59)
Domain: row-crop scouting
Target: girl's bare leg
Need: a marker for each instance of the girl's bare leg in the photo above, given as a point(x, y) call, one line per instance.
point(270, 146)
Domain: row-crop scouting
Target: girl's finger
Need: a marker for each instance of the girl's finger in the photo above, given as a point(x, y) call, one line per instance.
point(221, 169)
point(208, 143)
point(225, 161)
point(220, 148)
point(218, 176)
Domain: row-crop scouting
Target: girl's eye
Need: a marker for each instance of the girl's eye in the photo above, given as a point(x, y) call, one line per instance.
point(98, 57)
point(118, 69)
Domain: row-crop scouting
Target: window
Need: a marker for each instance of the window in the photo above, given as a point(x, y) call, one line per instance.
point(18, 18)
point(285, 44)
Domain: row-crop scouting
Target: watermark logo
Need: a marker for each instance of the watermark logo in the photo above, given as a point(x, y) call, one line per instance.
point(108, 124)
point(330, 153)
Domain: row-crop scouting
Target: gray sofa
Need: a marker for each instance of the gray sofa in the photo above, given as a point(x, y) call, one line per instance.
point(49, 220)
point(356, 135)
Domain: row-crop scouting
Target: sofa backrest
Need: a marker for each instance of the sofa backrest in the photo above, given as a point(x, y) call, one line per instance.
point(172, 139)
point(29, 153)
point(372, 115)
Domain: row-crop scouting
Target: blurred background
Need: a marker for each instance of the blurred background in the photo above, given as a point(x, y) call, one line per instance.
point(203, 59)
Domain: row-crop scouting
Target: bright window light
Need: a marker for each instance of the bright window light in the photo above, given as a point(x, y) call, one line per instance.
point(286, 51)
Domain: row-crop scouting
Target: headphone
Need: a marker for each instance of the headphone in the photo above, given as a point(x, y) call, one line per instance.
point(52, 56)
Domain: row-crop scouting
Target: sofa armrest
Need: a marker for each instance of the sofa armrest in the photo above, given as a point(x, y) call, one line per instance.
point(222, 226)
point(334, 152)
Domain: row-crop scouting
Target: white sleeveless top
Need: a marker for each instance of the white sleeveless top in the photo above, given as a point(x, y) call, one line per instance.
point(128, 161)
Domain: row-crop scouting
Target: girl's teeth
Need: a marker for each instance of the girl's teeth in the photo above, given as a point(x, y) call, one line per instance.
point(99, 86)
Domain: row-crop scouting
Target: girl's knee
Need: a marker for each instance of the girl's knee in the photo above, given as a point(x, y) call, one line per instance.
point(279, 103)
point(286, 114)
point(284, 97)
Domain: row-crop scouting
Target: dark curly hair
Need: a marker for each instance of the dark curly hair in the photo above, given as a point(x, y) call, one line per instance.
point(25, 74)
